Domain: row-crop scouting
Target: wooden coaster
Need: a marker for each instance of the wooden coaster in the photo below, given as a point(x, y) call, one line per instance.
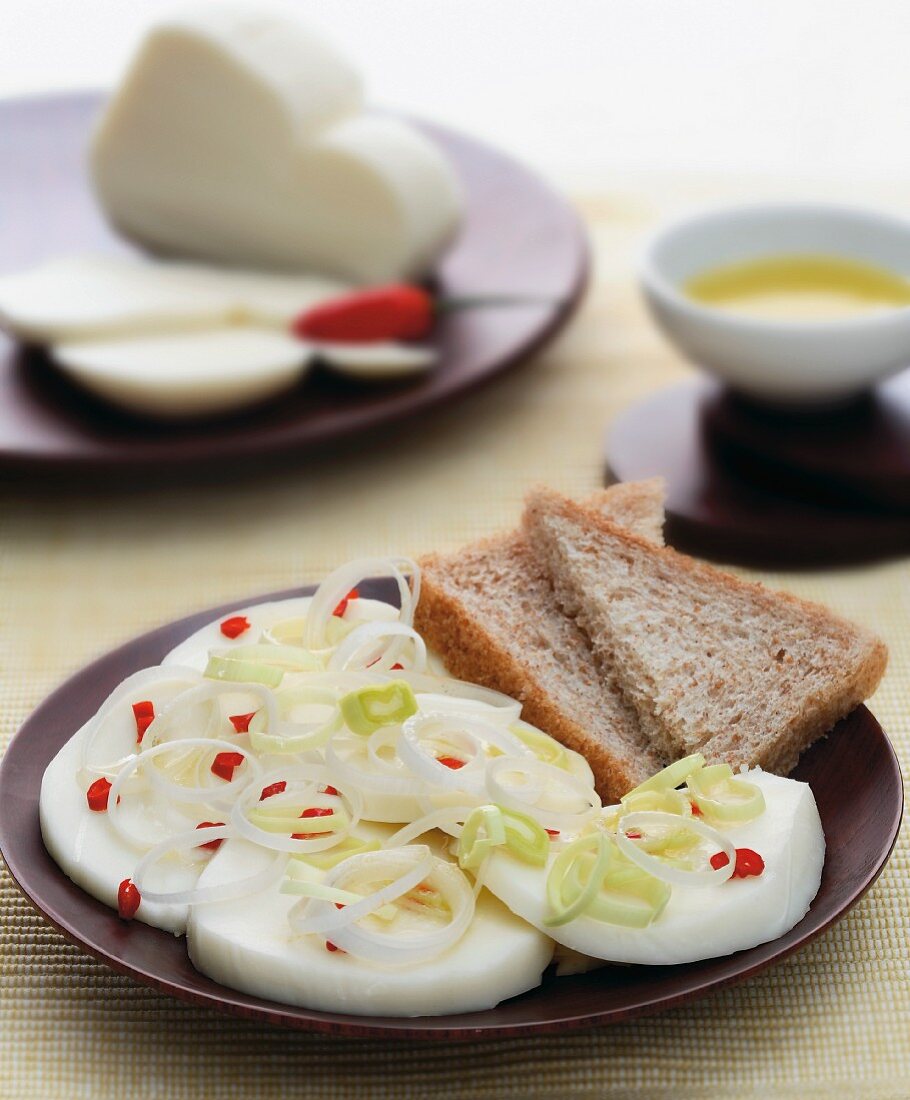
point(858, 453)
point(714, 511)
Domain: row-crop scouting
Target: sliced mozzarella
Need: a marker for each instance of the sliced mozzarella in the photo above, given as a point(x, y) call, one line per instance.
point(189, 374)
point(193, 652)
point(376, 362)
point(81, 840)
point(239, 136)
point(248, 945)
point(699, 922)
point(94, 296)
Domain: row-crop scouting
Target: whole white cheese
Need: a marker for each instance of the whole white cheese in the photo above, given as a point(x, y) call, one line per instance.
point(239, 136)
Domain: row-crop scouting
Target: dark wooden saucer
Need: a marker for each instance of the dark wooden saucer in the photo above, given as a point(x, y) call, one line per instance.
point(518, 237)
point(858, 453)
point(853, 773)
point(748, 486)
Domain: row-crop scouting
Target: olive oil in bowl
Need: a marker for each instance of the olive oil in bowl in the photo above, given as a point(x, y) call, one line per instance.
point(799, 288)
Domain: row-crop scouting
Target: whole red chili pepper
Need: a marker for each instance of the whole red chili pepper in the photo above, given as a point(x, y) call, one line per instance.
point(396, 312)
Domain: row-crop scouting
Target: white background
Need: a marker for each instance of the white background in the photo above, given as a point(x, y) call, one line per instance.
point(585, 89)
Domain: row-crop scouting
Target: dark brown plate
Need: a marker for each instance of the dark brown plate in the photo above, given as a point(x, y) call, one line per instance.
point(718, 509)
point(518, 237)
point(853, 773)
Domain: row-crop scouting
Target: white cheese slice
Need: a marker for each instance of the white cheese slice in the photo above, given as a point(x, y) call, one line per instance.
point(81, 840)
point(699, 922)
point(249, 945)
point(94, 296)
point(239, 136)
point(186, 374)
point(193, 651)
point(376, 362)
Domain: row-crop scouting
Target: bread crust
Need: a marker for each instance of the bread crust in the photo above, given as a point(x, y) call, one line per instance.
point(472, 653)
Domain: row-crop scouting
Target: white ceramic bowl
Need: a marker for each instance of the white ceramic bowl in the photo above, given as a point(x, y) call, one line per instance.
point(784, 362)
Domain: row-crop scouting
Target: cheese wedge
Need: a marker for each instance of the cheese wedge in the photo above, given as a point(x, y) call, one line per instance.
point(239, 136)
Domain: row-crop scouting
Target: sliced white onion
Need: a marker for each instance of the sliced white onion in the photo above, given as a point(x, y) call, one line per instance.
point(461, 697)
point(407, 867)
point(389, 949)
point(362, 650)
point(338, 584)
point(133, 688)
point(206, 796)
point(191, 840)
point(276, 733)
point(413, 752)
point(303, 780)
point(383, 781)
point(544, 778)
point(209, 691)
point(659, 868)
point(449, 818)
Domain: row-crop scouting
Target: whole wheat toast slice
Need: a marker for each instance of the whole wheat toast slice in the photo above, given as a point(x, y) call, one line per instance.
point(489, 611)
point(709, 663)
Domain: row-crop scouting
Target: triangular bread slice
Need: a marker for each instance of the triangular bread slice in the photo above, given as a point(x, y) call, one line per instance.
point(709, 662)
point(490, 613)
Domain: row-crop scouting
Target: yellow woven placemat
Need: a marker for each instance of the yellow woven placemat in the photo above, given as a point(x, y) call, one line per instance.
point(83, 571)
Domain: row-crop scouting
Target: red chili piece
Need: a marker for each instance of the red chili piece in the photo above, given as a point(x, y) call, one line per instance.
point(212, 845)
point(235, 626)
point(97, 795)
point(328, 790)
point(329, 946)
point(396, 312)
point(224, 764)
point(342, 605)
point(241, 722)
point(273, 788)
point(552, 832)
point(748, 863)
point(451, 762)
point(144, 714)
point(696, 811)
point(397, 667)
point(312, 811)
point(632, 835)
point(128, 899)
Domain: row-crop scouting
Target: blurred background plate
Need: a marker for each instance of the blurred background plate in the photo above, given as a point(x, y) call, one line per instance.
point(518, 237)
point(853, 774)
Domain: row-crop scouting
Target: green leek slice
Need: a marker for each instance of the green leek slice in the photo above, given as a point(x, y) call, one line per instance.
point(288, 820)
point(669, 801)
point(544, 747)
point(576, 876)
point(484, 829)
point(671, 776)
point(368, 709)
point(331, 857)
point(723, 798)
point(243, 672)
point(591, 878)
